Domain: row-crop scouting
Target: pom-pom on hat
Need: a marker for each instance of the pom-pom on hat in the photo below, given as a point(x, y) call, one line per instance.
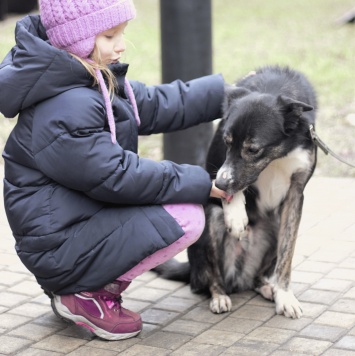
point(72, 25)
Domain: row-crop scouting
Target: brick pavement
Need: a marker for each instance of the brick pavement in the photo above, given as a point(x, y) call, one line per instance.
point(177, 322)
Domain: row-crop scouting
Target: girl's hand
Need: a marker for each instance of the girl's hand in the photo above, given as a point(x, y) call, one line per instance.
point(218, 193)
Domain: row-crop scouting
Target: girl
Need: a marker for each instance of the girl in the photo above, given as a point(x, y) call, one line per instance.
point(88, 214)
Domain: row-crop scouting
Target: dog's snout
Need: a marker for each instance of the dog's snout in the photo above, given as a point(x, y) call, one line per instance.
point(222, 179)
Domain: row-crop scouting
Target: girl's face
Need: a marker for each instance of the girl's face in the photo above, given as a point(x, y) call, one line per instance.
point(110, 44)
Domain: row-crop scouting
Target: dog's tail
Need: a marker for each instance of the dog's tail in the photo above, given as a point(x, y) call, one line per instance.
point(175, 270)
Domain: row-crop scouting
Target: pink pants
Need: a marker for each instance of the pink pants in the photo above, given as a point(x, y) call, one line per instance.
point(192, 220)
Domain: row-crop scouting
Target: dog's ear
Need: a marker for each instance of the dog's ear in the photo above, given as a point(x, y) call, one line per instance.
point(292, 111)
point(232, 92)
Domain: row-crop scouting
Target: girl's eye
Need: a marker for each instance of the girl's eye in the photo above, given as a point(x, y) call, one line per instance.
point(109, 37)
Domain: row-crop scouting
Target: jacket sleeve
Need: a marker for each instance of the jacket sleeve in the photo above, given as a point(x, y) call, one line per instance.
point(178, 105)
point(87, 161)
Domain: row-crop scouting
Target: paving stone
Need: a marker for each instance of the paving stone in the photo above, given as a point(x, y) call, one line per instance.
point(185, 292)
point(286, 353)
point(8, 260)
point(322, 332)
point(32, 310)
point(117, 346)
point(279, 321)
point(148, 294)
point(312, 310)
point(140, 350)
point(338, 352)
point(259, 301)
point(10, 345)
point(135, 305)
point(148, 329)
point(299, 288)
point(340, 320)
point(350, 294)
point(347, 342)
point(59, 343)
point(307, 346)
point(51, 320)
point(218, 337)
point(195, 349)
point(156, 316)
point(41, 299)
point(166, 340)
point(332, 284)
point(134, 285)
point(315, 266)
point(204, 315)
point(11, 278)
point(147, 276)
point(175, 304)
point(248, 294)
point(319, 296)
point(273, 335)
point(349, 262)
point(27, 288)
point(342, 273)
point(254, 312)
point(36, 352)
point(32, 331)
point(9, 321)
point(305, 277)
point(344, 305)
point(189, 327)
point(246, 347)
point(11, 299)
point(325, 255)
point(77, 331)
point(90, 351)
point(237, 325)
point(161, 283)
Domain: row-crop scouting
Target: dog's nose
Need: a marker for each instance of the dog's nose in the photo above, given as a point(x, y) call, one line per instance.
point(222, 180)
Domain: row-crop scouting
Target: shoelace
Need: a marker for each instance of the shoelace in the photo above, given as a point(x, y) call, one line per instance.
point(113, 302)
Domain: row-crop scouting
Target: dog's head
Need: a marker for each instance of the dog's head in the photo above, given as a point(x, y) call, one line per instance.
point(257, 130)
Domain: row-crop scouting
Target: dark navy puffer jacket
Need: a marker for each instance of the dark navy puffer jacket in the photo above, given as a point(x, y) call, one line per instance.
point(83, 210)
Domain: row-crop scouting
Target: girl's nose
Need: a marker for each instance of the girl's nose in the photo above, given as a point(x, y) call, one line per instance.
point(120, 46)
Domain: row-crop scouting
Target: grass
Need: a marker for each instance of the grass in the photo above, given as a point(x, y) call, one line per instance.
point(246, 35)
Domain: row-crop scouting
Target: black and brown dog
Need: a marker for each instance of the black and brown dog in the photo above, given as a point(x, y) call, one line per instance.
point(262, 155)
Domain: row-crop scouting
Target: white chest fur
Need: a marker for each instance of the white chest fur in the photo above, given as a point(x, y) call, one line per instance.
point(274, 181)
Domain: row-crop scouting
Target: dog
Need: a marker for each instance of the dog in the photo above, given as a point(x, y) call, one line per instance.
point(262, 155)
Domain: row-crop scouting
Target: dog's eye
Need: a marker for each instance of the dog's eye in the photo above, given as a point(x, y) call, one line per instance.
point(253, 150)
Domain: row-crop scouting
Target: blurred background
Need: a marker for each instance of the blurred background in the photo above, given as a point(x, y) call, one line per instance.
point(316, 37)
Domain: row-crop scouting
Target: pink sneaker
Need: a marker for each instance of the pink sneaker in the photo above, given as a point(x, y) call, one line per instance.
point(100, 312)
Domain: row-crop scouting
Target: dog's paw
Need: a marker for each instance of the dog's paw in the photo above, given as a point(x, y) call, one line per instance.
point(235, 215)
point(287, 304)
point(266, 291)
point(220, 304)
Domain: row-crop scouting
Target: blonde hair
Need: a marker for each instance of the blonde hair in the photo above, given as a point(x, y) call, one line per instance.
point(95, 63)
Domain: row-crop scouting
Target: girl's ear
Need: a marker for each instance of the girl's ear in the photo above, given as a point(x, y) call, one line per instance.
point(231, 93)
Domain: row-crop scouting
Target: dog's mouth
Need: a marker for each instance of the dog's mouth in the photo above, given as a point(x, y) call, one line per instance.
point(228, 198)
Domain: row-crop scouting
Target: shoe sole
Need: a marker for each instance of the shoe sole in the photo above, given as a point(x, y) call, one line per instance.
point(64, 313)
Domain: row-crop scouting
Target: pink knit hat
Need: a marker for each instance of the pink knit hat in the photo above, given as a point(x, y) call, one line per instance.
point(73, 24)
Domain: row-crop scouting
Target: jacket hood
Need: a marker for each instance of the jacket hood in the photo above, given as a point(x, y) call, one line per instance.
point(34, 70)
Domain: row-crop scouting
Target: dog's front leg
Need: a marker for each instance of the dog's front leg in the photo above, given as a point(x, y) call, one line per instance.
point(286, 302)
